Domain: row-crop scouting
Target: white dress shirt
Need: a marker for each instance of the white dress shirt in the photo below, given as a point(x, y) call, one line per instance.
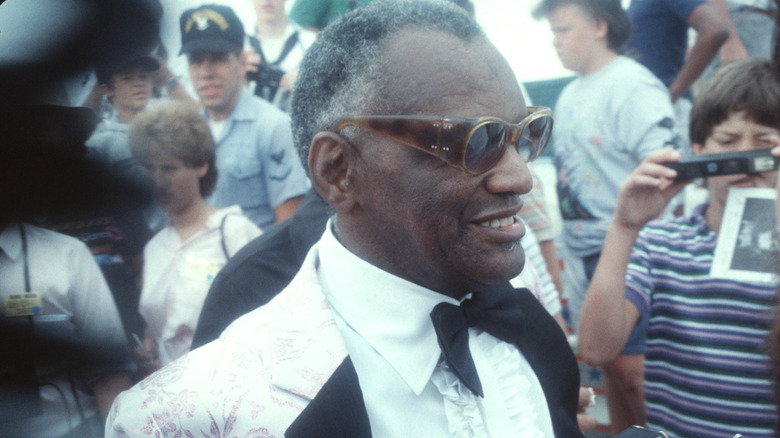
point(408, 391)
point(76, 305)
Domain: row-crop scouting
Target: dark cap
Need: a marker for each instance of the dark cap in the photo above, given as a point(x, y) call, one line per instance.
point(123, 64)
point(211, 28)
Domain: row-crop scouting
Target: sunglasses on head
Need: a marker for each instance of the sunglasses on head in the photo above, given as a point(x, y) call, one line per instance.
point(472, 144)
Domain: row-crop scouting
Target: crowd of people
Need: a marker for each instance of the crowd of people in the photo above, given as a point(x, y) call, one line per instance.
point(328, 223)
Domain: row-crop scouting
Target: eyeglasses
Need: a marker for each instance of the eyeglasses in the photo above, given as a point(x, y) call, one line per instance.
point(472, 144)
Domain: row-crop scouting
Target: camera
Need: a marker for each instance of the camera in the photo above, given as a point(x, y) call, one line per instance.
point(267, 79)
point(728, 163)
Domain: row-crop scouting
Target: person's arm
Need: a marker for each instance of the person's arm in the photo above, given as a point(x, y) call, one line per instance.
point(163, 77)
point(607, 316)
point(107, 388)
point(711, 33)
point(287, 208)
point(733, 48)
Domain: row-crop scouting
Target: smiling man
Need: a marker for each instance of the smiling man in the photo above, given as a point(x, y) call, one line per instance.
point(401, 321)
point(257, 162)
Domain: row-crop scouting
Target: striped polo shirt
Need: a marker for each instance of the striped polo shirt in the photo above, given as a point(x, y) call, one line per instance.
point(706, 372)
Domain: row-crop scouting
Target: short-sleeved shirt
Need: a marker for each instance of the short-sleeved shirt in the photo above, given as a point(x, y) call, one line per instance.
point(605, 125)
point(76, 308)
point(259, 168)
point(659, 36)
point(706, 370)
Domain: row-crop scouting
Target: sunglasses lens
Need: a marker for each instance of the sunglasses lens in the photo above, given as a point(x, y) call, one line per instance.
point(534, 138)
point(485, 146)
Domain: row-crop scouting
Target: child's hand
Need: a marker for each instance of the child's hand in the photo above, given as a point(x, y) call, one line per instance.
point(646, 192)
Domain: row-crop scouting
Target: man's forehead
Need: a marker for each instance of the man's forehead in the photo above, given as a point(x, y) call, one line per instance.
point(431, 71)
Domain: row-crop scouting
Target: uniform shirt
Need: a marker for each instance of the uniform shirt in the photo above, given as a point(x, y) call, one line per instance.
point(76, 306)
point(177, 276)
point(386, 326)
point(259, 169)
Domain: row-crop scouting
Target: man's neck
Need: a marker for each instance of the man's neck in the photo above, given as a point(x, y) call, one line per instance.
point(272, 28)
point(125, 115)
point(221, 114)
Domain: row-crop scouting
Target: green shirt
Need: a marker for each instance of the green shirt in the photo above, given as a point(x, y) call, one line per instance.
point(318, 13)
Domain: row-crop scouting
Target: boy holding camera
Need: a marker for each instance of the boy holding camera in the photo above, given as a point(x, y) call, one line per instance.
point(706, 370)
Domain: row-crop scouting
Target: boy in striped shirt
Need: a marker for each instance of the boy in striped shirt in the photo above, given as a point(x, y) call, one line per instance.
point(706, 369)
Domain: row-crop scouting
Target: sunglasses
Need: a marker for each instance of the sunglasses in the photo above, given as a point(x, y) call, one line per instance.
point(472, 144)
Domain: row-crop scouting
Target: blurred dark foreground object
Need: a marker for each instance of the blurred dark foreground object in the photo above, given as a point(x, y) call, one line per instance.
point(44, 170)
point(44, 41)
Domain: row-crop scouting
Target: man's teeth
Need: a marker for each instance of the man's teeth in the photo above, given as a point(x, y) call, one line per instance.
point(500, 222)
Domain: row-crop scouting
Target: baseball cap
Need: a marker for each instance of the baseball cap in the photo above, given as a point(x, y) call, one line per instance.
point(211, 28)
point(106, 69)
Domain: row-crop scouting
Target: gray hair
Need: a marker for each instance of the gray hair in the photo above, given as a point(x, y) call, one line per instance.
point(340, 73)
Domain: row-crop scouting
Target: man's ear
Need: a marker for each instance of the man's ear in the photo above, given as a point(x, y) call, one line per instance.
point(603, 28)
point(331, 162)
point(202, 170)
point(697, 148)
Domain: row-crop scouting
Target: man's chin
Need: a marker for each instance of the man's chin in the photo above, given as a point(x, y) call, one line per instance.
point(503, 271)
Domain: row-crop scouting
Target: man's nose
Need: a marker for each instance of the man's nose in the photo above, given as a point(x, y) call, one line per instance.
point(510, 174)
point(205, 68)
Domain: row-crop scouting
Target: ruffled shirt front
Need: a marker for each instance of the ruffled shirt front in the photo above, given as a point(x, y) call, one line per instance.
point(407, 388)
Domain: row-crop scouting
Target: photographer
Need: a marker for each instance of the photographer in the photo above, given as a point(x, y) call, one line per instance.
point(707, 371)
point(278, 49)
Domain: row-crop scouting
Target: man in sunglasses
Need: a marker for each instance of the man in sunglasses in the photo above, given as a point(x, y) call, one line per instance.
point(401, 321)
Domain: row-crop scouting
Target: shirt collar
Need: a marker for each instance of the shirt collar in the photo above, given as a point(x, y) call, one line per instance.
point(243, 109)
point(390, 313)
point(11, 241)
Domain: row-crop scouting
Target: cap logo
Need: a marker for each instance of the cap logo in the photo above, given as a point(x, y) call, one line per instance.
point(201, 19)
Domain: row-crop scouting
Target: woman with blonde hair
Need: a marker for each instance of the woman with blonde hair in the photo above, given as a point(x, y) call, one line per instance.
point(174, 144)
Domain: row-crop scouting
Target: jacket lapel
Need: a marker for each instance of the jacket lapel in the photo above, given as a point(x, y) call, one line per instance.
point(338, 409)
point(545, 347)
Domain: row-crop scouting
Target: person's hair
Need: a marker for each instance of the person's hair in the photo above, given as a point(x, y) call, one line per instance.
point(749, 85)
point(175, 129)
point(340, 73)
point(611, 11)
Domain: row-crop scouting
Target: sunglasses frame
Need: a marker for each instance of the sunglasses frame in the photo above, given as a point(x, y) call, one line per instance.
point(434, 135)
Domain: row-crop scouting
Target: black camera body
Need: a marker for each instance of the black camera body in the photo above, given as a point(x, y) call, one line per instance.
point(267, 78)
point(728, 163)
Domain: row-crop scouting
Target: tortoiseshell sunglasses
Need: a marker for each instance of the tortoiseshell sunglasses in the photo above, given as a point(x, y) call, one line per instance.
point(472, 144)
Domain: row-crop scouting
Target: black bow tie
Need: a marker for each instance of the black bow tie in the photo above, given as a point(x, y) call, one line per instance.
point(497, 311)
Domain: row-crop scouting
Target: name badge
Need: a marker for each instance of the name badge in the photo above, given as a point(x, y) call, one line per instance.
point(25, 304)
point(200, 269)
